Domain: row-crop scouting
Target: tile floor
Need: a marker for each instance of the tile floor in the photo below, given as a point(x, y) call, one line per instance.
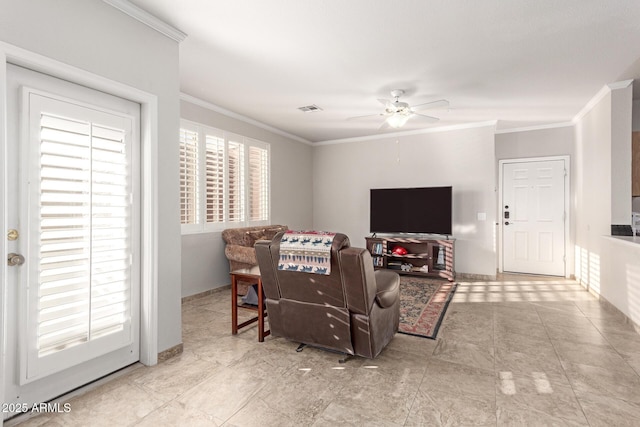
point(522, 350)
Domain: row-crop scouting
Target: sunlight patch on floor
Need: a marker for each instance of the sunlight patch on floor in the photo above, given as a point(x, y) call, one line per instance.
point(507, 384)
point(542, 383)
point(525, 290)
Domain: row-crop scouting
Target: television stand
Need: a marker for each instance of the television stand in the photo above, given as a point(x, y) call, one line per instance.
point(425, 257)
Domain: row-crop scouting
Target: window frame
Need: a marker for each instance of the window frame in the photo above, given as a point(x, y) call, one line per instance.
point(201, 225)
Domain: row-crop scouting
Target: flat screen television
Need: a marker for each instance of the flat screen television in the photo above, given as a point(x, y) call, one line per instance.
point(425, 210)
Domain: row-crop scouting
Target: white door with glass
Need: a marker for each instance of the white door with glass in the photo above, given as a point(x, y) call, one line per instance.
point(533, 217)
point(73, 280)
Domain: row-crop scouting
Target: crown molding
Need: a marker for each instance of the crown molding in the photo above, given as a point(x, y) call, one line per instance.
point(620, 85)
point(538, 127)
point(605, 90)
point(408, 133)
point(147, 19)
point(218, 109)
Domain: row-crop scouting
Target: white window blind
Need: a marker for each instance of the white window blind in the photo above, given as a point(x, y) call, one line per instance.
point(235, 181)
point(234, 171)
point(215, 178)
point(258, 184)
point(65, 237)
point(84, 249)
point(110, 239)
point(189, 177)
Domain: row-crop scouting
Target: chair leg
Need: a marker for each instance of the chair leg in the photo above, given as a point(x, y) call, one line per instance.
point(300, 347)
point(346, 358)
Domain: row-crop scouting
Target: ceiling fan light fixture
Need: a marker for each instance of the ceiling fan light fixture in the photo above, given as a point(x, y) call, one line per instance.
point(398, 120)
point(397, 113)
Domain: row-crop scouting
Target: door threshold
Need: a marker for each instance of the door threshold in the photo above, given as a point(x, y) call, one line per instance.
point(21, 418)
point(506, 274)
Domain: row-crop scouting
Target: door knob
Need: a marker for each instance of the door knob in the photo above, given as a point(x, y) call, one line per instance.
point(506, 223)
point(15, 259)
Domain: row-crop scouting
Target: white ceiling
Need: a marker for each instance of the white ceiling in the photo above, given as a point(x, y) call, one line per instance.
point(521, 62)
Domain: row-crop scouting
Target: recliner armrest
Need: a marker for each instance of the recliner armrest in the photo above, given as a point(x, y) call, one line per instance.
point(387, 288)
point(243, 254)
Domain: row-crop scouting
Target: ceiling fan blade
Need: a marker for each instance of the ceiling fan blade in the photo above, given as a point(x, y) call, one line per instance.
point(424, 117)
point(366, 116)
point(384, 125)
point(385, 102)
point(433, 104)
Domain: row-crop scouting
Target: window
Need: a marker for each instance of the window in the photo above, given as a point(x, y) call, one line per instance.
point(224, 179)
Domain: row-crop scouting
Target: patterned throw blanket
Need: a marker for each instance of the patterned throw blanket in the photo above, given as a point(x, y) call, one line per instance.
point(306, 251)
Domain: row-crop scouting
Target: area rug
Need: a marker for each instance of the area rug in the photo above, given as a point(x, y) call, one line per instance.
point(423, 303)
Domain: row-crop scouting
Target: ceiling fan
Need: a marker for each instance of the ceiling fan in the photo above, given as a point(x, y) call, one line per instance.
point(398, 113)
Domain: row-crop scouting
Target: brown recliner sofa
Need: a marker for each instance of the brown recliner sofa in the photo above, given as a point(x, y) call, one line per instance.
point(239, 248)
point(354, 310)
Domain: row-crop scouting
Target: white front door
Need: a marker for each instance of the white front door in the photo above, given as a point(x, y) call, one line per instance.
point(73, 304)
point(533, 217)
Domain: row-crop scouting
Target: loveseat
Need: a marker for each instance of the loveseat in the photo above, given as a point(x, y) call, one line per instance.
point(239, 248)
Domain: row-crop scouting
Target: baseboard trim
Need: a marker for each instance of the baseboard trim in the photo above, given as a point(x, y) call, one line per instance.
point(170, 353)
point(472, 276)
point(612, 307)
point(205, 293)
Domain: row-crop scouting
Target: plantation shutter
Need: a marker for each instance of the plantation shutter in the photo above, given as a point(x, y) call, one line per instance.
point(80, 300)
point(214, 170)
point(65, 234)
point(110, 234)
point(258, 184)
point(224, 179)
point(235, 180)
point(189, 174)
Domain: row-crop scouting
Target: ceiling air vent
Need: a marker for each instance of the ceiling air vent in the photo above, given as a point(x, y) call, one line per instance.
point(310, 108)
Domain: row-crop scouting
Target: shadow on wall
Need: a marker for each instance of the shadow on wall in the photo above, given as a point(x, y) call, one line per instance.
point(587, 267)
point(633, 287)
point(465, 205)
point(476, 246)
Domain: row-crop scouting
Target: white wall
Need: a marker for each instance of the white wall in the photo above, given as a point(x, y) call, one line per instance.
point(204, 265)
point(620, 266)
point(535, 143)
point(94, 36)
point(635, 115)
point(635, 125)
point(601, 145)
point(343, 174)
point(621, 128)
point(593, 190)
